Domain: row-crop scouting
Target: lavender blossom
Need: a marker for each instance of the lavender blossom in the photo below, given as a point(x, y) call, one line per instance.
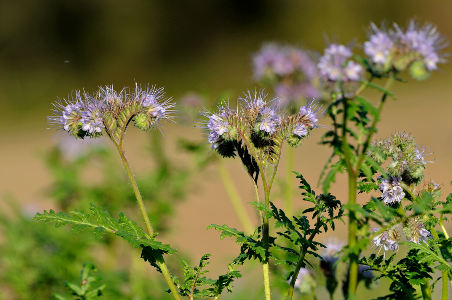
point(270, 120)
point(300, 130)
point(290, 70)
point(388, 240)
point(310, 112)
point(424, 40)
point(335, 65)
point(379, 46)
point(92, 121)
point(111, 111)
point(392, 191)
point(416, 232)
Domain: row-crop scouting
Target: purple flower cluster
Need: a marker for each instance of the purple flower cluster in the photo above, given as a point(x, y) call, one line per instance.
point(424, 40)
point(88, 115)
point(392, 191)
point(379, 45)
point(388, 240)
point(217, 126)
point(416, 232)
point(401, 48)
point(336, 65)
point(290, 70)
point(282, 61)
point(258, 122)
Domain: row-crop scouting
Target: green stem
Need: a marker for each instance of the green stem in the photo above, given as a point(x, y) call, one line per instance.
point(149, 228)
point(288, 192)
point(265, 237)
point(444, 276)
point(441, 224)
point(352, 228)
point(300, 261)
point(352, 184)
point(234, 197)
point(426, 291)
point(266, 281)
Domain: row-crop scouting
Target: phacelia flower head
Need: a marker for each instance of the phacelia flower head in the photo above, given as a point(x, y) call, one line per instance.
point(257, 127)
point(111, 111)
point(416, 232)
point(425, 41)
point(387, 240)
point(379, 46)
point(402, 156)
point(335, 65)
point(391, 189)
point(289, 70)
point(417, 49)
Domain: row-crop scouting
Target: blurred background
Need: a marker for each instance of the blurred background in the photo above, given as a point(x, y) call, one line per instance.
point(49, 48)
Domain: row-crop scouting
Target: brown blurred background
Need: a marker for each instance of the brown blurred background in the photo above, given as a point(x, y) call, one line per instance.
point(49, 48)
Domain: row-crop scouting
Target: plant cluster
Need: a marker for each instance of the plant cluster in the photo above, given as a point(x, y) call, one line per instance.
point(396, 208)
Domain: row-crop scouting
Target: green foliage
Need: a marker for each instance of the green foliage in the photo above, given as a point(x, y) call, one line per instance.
point(404, 275)
point(195, 284)
point(99, 222)
point(35, 257)
point(87, 288)
point(251, 246)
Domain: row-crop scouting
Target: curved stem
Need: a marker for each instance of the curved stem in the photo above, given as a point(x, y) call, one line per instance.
point(161, 265)
point(234, 197)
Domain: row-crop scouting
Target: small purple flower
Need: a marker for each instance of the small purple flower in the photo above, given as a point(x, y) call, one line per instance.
point(353, 71)
point(300, 130)
point(217, 125)
point(310, 113)
point(424, 40)
point(270, 120)
point(333, 64)
point(254, 101)
point(379, 46)
point(92, 121)
point(387, 240)
point(420, 156)
point(282, 61)
point(392, 191)
point(416, 232)
point(71, 115)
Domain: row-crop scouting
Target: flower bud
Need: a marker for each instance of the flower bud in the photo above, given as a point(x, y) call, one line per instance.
point(418, 70)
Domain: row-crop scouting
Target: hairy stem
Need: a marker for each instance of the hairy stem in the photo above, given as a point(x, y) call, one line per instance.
point(266, 281)
point(441, 224)
point(444, 275)
point(265, 237)
point(426, 291)
point(234, 197)
point(149, 228)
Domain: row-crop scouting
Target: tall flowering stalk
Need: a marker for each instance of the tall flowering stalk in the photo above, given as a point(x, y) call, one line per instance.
point(255, 132)
point(110, 112)
point(389, 53)
point(291, 73)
